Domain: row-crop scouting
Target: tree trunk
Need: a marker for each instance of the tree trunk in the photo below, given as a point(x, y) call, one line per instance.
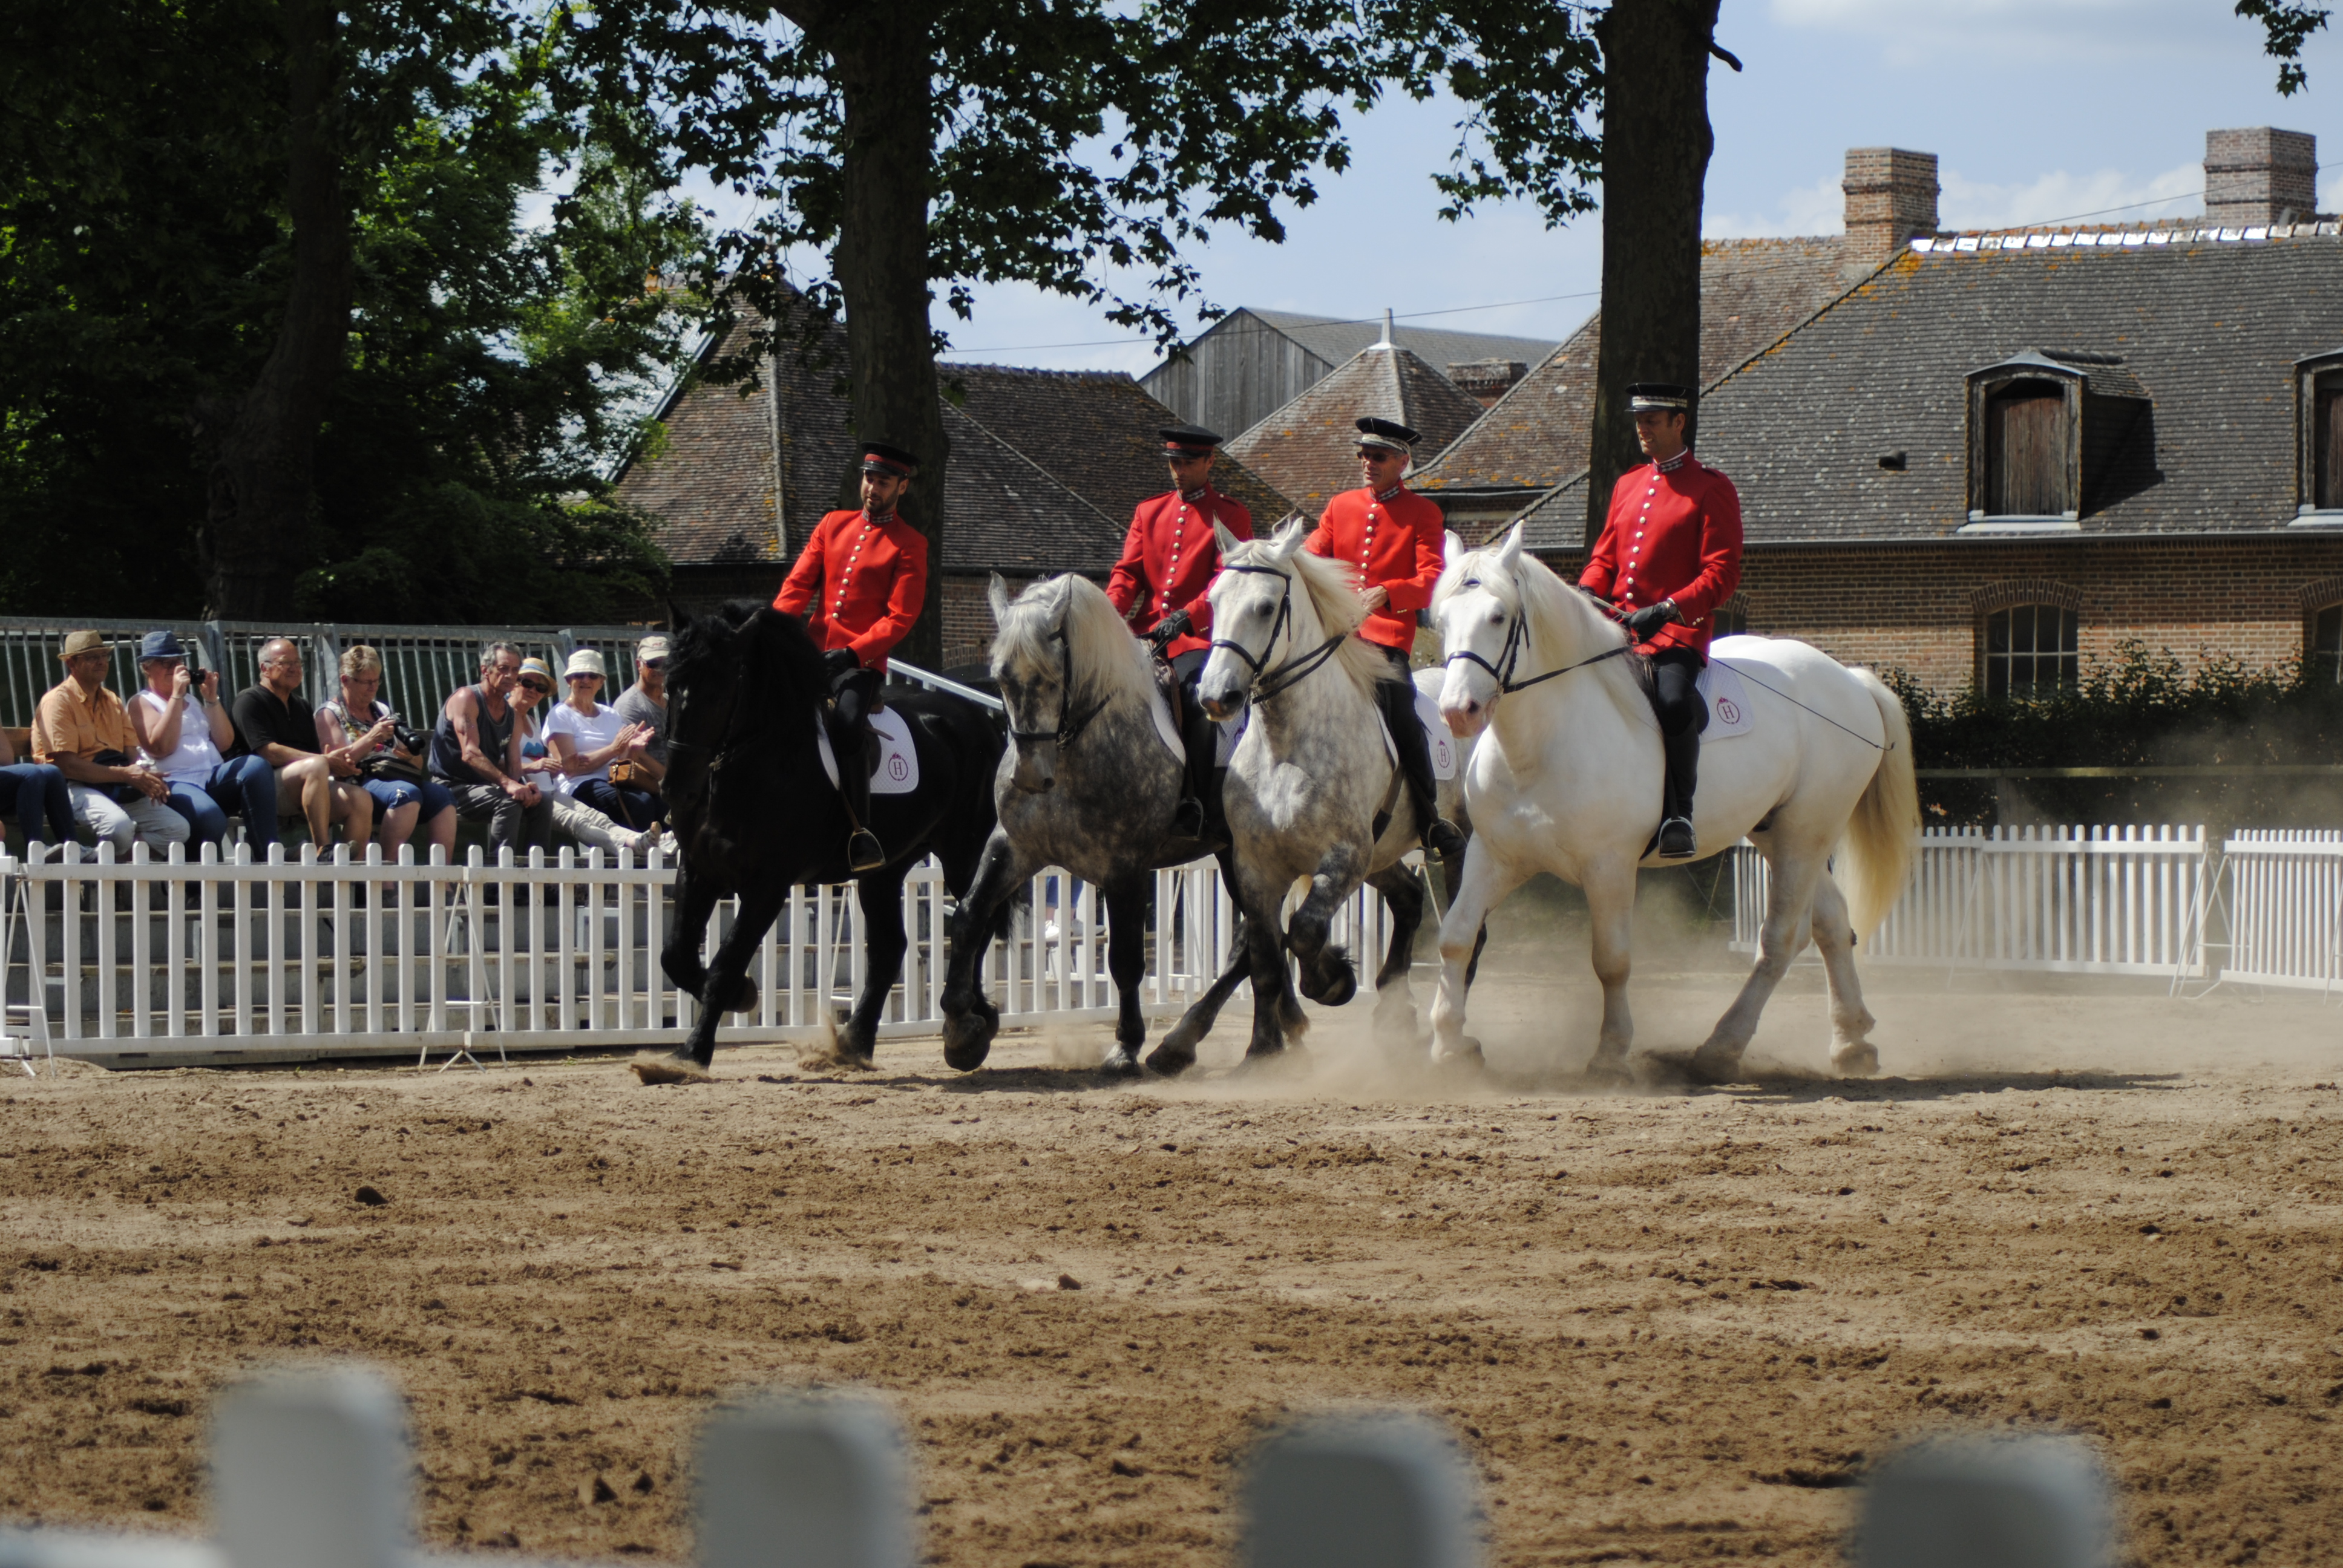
point(881, 265)
point(1655, 146)
point(263, 478)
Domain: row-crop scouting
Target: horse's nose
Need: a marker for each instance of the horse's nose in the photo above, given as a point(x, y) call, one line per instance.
point(1463, 718)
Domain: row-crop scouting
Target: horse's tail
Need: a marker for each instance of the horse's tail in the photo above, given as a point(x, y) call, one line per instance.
point(1883, 835)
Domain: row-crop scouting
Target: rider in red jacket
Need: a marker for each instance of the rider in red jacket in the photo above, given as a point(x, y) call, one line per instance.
point(859, 584)
point(1670, 554)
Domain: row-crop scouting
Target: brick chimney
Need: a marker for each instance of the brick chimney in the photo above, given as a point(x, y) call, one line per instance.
point(1891, 195)
point(1487, 380)
point(2260, 175)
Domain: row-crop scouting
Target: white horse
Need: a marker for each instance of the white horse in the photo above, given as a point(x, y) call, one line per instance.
point(1310, 782)
point(1567, 781)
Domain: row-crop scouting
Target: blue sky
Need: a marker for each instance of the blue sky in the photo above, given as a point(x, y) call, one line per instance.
point(2037, 109)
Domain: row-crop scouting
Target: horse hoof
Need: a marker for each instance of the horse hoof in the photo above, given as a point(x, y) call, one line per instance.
point(744, 996)
point(674, 1068)
point(1713, 1063)
point(1609, 1072)
point(1122, 1062)
point(1332, 982)
point(1166, 1062)
point(1860, 1059)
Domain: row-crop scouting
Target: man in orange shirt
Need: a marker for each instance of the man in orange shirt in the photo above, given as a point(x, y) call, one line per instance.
point(1170, 557)
point(859, 584)
point(1393, 538)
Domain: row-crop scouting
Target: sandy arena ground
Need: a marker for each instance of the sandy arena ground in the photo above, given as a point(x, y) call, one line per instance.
point(1672, 1326)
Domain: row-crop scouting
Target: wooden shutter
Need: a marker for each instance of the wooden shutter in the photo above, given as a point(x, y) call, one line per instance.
point(2025, 451)
point(2327, 440)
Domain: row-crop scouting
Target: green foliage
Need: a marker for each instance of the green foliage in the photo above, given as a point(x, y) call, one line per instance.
point(2287, 26)
point(2137, 709)
point(1079, 140)
point(497, 370)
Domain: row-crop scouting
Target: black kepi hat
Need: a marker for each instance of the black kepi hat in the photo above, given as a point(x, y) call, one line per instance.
point(1658, 395)
point(1188, 440)
point(884, 458)
point(1389, 433)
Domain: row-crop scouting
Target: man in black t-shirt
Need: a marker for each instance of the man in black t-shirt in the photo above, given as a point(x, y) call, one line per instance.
point(274, 722)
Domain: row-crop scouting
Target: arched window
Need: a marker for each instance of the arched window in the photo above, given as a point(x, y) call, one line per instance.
point(2030, 650)
point(2325, 660)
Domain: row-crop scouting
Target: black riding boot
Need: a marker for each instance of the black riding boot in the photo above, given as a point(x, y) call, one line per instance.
point(856, 694)
point(1677, 840)
point(1398, 699)
point(1200, 739)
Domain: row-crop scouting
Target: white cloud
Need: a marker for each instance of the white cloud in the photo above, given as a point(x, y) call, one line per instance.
point(1817, 208)
point(2108, 196)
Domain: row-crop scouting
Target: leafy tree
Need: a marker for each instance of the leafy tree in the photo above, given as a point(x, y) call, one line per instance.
point(922, 146)
point(271, 331)
point(2287, 26)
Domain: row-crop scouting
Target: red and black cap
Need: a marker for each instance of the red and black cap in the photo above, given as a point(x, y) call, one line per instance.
point(1389, 433)
point(1658, 395)
point(1188, 440)
point(882, 457)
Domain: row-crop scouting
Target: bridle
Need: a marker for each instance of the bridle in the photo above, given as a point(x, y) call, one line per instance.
point(1510, 656)
point(1071, 724)
point(1267, 683)
point(731, 741)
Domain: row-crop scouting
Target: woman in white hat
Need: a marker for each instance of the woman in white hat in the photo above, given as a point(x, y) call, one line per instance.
point(587, 735)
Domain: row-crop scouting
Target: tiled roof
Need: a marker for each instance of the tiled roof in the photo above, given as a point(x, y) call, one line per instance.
point(1334, 339)
point(1752, 291)
point(1045, 466)
point(2207, 329)
point(1305, 448)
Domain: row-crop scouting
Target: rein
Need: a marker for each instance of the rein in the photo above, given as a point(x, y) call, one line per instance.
point(1510, 655)
point(1268, 683)
point(1071, 725)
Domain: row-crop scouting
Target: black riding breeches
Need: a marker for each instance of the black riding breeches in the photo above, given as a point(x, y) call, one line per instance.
point(854, 694)
point(1396, 692)
point(1675, 701)
point(1198, 734)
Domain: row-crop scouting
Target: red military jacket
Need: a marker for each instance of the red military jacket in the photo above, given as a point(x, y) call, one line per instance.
point(859, 584)
point(1394, 540)
point(1672, 535)
point(1170, 557)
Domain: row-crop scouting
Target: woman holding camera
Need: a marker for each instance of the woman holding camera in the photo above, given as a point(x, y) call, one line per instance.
point(392, 772)
point(183, 729)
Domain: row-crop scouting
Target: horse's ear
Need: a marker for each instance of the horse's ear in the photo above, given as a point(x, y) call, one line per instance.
point(1229, 541)
point(1288, 540)
point(997, 591)
point(679, 620)
point(1509, 554)
point(1451, 548)
point(1064, 598)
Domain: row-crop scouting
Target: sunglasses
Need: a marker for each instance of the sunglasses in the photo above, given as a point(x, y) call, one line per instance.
point(532, 684)
point(574, 679)
point(654, 664)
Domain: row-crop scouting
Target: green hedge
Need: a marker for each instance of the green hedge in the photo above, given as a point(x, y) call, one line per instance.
point(2141, 708)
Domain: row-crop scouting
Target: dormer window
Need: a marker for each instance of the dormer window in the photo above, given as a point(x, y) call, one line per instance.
point(2050, 434)
point(2319, 394)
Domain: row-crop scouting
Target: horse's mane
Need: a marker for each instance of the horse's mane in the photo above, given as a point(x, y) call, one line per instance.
point(1562, 623)
point(1333, 593)
point(781, 665)
point(1104, 653)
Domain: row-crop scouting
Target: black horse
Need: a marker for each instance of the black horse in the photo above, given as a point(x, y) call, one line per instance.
point(757, 814)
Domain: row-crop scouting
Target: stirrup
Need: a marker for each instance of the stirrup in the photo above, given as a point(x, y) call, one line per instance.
point(1677, 840)
point(1187, 818)
point(1445, 839)
point(863, 851)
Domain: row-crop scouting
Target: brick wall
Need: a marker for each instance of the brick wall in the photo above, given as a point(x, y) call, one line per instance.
point(968, 618)
point(1919, 606)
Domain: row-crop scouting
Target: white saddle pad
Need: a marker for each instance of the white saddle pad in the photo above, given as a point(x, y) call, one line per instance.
point(1435, 735)
point(1729, 713)
point(899, 759)
point(1160, 710)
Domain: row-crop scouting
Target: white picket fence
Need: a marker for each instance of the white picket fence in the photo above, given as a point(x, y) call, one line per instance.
point(312, 1470)
point(160, 961)
point(2121, 900)
point(2284, 908)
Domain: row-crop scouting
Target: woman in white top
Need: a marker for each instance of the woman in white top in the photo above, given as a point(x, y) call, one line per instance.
point(586, 736)
point(185, 729)
point(570, 814)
